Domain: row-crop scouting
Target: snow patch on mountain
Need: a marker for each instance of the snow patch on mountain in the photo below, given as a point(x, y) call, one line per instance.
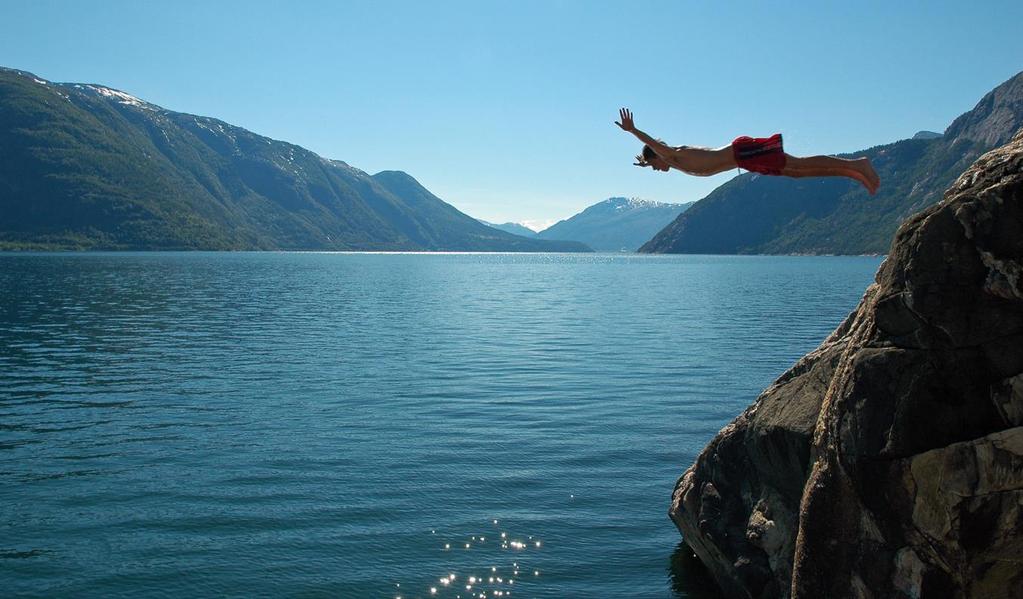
point(118, 96)
point(631, 203)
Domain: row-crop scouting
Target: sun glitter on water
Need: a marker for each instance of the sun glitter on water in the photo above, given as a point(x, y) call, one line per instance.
point(496, 568)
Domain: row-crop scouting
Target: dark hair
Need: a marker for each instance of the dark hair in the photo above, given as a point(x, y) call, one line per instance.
point(644, 157)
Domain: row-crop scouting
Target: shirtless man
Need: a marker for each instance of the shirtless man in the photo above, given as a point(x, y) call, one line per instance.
point(764, 155)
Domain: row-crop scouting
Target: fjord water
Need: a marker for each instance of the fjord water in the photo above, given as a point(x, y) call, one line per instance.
point(367, 425)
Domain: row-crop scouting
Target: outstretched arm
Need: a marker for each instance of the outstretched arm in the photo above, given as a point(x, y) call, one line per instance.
point(627, 124)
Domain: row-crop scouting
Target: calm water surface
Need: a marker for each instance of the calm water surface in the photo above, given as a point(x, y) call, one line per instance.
point(359, 425)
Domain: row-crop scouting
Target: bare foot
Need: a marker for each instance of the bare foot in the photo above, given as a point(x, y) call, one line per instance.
point(867, 184)
point(872, 181)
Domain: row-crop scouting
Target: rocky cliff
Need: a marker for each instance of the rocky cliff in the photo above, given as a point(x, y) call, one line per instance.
point(889, 461)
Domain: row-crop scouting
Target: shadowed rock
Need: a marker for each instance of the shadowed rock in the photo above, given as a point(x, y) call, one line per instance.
point(889, 461)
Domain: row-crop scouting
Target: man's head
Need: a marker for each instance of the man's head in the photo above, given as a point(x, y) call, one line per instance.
point(650, 158)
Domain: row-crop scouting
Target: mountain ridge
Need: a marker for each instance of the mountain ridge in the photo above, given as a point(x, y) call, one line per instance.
point(92, 167)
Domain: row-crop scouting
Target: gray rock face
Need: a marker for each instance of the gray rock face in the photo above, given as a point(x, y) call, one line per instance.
point(889, 461)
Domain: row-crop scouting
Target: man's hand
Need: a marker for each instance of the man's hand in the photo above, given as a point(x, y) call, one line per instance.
point(626, 124)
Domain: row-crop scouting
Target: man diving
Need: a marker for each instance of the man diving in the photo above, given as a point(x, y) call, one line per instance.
point(760, 155)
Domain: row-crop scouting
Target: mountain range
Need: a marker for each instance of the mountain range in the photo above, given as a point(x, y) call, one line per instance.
point(513, 228)
point(616, 224)
point(754, 214)
point(86, 166)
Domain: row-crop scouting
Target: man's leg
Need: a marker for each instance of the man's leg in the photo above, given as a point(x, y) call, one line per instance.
point(859, 169)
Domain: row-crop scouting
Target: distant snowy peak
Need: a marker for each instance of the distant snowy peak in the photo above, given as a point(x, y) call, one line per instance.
point(513, 228)
point(620, 204)
point(615, 224)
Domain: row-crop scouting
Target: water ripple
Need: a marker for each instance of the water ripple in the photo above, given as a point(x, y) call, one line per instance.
point(341, 424)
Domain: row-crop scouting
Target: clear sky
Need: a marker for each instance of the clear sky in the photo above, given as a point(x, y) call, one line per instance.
point(505, 109)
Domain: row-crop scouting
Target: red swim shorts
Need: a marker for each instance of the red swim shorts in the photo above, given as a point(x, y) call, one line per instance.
point(763, 155)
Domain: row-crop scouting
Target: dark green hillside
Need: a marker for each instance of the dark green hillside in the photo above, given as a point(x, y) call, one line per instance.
point(777, 215)
point(88, 167)
point(76, 173)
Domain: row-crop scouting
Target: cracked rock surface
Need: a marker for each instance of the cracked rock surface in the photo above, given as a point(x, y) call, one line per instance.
point(888, 462)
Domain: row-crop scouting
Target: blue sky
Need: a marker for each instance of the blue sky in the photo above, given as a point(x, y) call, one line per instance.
point(505, 109)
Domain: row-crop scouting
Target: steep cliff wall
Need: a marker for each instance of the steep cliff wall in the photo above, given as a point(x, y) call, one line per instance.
point(889, 461)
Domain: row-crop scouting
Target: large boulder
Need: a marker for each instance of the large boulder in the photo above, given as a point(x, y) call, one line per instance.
point(889, 461)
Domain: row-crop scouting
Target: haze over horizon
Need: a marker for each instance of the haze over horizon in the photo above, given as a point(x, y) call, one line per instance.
point(506, 111)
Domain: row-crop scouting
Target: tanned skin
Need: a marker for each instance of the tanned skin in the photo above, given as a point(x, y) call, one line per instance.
point(704, 162)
